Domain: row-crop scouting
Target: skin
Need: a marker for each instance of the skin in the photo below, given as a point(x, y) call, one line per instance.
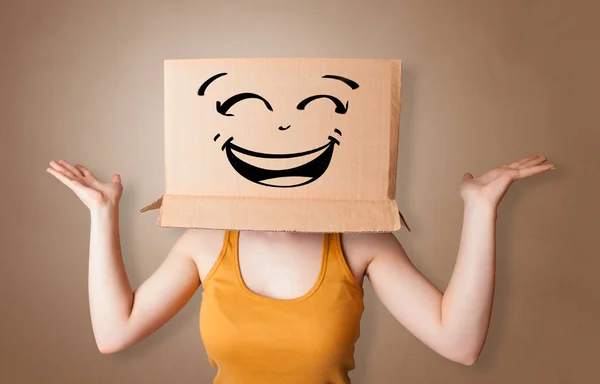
point(285, 265)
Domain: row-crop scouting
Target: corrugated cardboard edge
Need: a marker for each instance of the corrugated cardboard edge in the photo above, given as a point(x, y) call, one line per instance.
point(238, 213)
point(395, 107)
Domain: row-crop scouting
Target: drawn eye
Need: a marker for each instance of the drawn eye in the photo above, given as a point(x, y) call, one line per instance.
point(222, 108)
point(339, 107)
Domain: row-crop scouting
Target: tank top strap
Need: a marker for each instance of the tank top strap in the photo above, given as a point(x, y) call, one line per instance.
point(337, 266)
point(224, 266)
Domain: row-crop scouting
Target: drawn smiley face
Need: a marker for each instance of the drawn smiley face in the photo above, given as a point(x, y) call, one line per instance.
point(313, 163)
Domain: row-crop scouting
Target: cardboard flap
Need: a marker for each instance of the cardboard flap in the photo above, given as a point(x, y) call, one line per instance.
point(403, 221)
point(156, 204)
point(297, 215)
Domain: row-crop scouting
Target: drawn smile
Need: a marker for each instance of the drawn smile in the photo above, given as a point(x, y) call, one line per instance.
point(312, 164)
point(279, 170)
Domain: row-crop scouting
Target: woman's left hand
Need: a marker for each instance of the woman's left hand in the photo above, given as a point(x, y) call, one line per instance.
point(491, 187)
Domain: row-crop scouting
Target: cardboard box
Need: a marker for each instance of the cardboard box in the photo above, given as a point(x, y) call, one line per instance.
point(281, 144)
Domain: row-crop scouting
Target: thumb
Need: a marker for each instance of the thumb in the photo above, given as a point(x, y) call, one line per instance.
point(116, 178)
point(467, 176)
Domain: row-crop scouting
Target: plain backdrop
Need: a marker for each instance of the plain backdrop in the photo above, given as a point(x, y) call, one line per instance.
point(484, 83)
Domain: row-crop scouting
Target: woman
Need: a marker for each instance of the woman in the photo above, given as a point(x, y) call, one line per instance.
point(286, 307)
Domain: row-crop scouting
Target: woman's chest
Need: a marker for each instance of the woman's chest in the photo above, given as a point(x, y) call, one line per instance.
point(318, 329)
point(286, 270)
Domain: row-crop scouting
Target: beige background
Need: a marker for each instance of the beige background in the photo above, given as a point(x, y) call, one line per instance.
point(485, 82)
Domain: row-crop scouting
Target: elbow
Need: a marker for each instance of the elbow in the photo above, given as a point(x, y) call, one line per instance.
point(109, 349)
point(109, 346)
point(467, 358)
point(462, 350)
point(111, 338)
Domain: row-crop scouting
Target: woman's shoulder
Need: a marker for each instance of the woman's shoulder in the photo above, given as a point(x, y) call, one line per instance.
point(201, 245)
point(359, 250)
point(200, 240)
point(367, 242)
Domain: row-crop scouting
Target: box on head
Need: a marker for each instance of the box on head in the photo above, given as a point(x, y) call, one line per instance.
point(281, 144)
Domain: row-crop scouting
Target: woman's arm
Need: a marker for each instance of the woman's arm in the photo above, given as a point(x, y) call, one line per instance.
point(454, 323)
point(467, 301)
point(120, 316)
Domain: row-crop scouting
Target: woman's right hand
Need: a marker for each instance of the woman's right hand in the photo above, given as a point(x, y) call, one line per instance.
point(92, 192)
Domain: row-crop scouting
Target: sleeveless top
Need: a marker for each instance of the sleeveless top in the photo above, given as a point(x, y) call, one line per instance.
point(252, 338)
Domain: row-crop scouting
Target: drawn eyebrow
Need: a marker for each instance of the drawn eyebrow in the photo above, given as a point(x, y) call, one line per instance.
point(222, 108)
point(339, 106)
point(202, 90)
point(350, 83)
point(203, 87)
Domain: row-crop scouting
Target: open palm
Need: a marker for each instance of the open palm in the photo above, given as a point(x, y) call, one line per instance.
point(493, 185)
point(83, 183)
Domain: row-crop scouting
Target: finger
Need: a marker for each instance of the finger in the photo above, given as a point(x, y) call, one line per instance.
point(86, 172)
point(467, 176)
point(62, 170)
point(518, 163)
point(116, 178)
point(531, 163)
point(71, 168)
point(526, 172)
point(63, 179)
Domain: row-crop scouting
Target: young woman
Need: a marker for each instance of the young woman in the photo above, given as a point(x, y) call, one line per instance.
point(286, 307)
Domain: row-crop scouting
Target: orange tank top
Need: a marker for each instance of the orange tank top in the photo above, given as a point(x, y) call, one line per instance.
point(253, 339)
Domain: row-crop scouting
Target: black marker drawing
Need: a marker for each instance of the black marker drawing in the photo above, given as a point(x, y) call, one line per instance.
point(350, 83)
point(203, 87)
point(309, 171)
point(339, 107)
point(223, 108)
